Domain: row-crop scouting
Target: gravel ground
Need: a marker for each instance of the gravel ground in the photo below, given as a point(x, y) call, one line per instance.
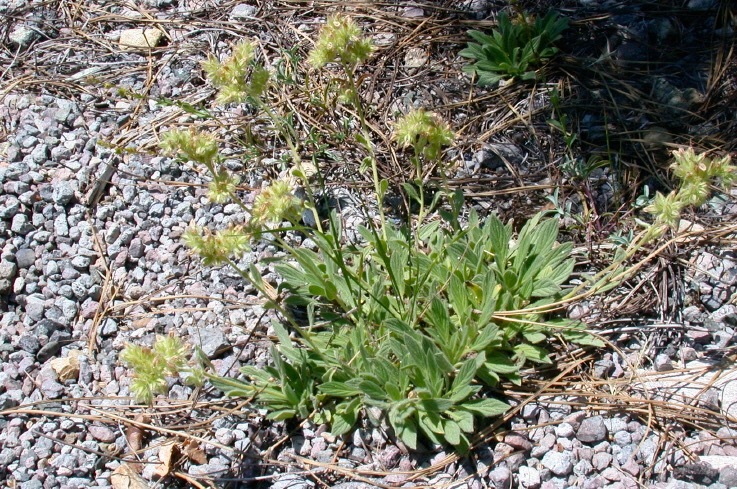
point(87, 267)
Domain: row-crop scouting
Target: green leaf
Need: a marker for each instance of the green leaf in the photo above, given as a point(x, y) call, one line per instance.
point(372, 390)
point(486, 336)
point(486, 407)
point(316, 290)
point(411, 191)
point(467, 372)
point(344, 417)
point(480, 37)
point(397, 266)
point(434, 405)
point(458, 295)
point(452, 432)
point(408, 434)
point(393, 392)
point(383, 187)
point(464, 420)
point(339, 389)
point(233, 387)
point(404, 426)
point(281, 414)
point(293, 276)
point(534, 336)
point(583, 338)
point(499, 363)
point(510, 280)
point(544, 288)
point(532, 352)
point(463, 392)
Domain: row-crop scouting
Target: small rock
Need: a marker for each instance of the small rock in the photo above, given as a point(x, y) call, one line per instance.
point(575, 418)
point(701, 4)
point(700, 473)
point(498, 155)
point(35, 308)
point(66, 108)
point(528, 477)
point(211, 340)
point(243, 11)
point(622, 438)
point(413, 12)
point(601, 460)
point(726, 314)
point(63, 193)
point(611, 474)
point(415, 57)
point(592, 430)
point(225, 436)
point(81, 262)
point(728, 476)
point(583, 468)
point(389, 457)
point(631, 467)
point(29, 343)
point(132, 39)
point(693, 315)
point(564, 430)
point(52, 389)
point(8, 270)
point(501, 477)
point(517, 441)
point(40, 154)
point(25, 258)
point(135, 249)
point(47, 327)
point(21, 225)
point(292, 481)
point(102, 433)
point(559, 463)
point(699, 337)
point(10, 208)
point(109, 327)
point(530, 412)
point(662, 363)
point(23, 35)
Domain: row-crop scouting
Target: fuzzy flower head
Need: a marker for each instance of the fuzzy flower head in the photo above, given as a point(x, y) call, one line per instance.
point(725, 171)
point(666, 209)
point(231, 77)
point(694, 192)
point(222, 187)
point(275, 204)
point(192, 145)
point(216, 248)
point(423, 131)
point(149, 374)
point(687, 164)
point(340, 40)
point(171, 352)
point(697, 172)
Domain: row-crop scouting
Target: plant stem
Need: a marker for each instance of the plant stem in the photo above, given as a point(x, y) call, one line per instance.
point(369, 147)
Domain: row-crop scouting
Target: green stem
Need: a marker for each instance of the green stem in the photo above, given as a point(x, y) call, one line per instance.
point(369, 147)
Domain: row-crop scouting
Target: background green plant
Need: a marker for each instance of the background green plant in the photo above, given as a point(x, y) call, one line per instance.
point(415, 325)
point(421, 320)
point(515, 49)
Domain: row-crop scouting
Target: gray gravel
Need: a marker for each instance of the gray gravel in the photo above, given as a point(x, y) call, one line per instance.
point(75, 274)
